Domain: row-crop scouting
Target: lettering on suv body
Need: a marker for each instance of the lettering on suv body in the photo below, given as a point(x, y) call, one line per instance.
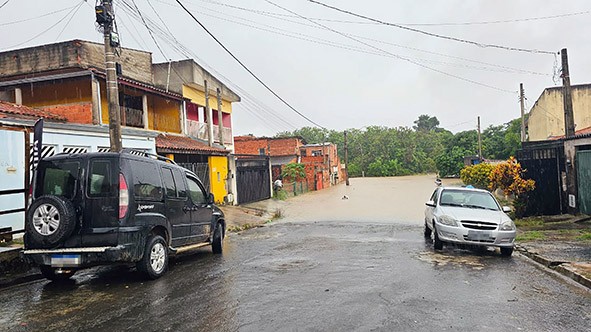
point(141, 208)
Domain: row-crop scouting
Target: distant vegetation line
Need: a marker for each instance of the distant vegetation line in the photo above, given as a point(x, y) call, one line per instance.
point(424, 148)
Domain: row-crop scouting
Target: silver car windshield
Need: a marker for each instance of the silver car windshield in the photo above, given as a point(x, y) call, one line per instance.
point(468, 199)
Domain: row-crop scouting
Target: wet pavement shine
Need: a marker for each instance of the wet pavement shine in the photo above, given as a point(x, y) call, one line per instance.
point(331, 264)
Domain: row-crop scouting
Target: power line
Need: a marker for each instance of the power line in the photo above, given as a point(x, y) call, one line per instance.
point(245, 67)
point(312, 39)
point(483, 45)
point(266, 13)
point(171, 40)
point(396, 55)
point(67, 23)
point(4, 4)
point(48, 29)
point(36, 17)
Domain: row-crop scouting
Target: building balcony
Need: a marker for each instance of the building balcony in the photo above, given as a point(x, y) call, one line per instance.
point(199, 130)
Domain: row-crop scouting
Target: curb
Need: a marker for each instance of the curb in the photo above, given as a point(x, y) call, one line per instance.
point(563, 268)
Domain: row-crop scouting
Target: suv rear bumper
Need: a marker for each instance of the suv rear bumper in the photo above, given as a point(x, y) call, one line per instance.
point(81, 257)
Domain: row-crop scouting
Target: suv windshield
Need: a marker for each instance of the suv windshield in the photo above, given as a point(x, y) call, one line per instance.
point(57, 178)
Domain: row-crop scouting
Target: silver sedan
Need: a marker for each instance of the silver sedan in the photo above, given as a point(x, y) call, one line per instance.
point(468, 216)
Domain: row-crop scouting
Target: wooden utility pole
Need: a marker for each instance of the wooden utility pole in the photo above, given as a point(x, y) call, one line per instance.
point(220, 116)
point(569, 119)
point(522, 102)
point(346, 160)
point(209, 115)
point(105, 17)
point(479, 142)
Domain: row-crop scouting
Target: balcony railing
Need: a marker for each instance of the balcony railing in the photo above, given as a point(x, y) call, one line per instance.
point(199, 130)
point(132, 117)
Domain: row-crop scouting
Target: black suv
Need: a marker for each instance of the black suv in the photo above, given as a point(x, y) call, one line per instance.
point(102, 208)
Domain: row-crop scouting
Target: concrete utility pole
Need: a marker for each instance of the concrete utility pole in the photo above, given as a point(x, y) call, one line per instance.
point(479, 142)
point(105, 17)
point(569, 119)
point(220, 116)
point(346, 160)
point(522, 102)
point(209, 115)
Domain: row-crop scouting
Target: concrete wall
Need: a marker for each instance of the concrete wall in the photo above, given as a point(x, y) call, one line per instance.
point(546, 117)
point(135, 64)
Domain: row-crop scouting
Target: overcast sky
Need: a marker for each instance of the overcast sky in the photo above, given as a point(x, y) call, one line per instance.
point(379, 75)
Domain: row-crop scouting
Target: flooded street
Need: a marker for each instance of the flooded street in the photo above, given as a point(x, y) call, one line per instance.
point(346, 258)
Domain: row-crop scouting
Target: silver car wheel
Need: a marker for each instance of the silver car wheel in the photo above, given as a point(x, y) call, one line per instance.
point(46, 219)
point(157, 257)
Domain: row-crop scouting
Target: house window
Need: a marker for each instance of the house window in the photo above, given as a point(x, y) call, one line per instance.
point(304, 153)
point(132, 110)
point(262, 151)
point(316, 153)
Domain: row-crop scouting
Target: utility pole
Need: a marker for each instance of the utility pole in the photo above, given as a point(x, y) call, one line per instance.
point(479, 142)
point(569, 120)
point(209, 115)
point(105, 17)
point(522, 102)
point(220, 116)
point(346, 160)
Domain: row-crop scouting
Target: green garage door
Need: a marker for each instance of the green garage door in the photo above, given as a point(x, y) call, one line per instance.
point(584, 180)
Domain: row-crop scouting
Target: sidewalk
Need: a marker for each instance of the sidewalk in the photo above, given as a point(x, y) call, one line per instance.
point(561, 243)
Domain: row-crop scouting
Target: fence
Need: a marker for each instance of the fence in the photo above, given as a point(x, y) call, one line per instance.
point(295, 188)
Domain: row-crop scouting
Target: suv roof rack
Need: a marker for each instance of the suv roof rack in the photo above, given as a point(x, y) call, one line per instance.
point(148, 155)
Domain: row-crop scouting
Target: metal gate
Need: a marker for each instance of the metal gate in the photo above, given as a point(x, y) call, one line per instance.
point(201, 170)
point(584, 180)
point(543, 165)
point(253, 179)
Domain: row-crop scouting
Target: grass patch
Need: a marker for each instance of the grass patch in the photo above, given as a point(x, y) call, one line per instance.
point(529, 222)
point(585, 237)
point(530, 236)
point(280, 195)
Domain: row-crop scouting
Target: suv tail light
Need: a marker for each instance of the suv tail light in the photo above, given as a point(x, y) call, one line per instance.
point(123, 197)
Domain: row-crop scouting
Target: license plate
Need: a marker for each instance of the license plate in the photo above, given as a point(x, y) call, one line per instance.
point(65, 260)
point(479, 236)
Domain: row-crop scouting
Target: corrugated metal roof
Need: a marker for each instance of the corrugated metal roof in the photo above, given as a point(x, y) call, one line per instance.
point(10, 110)
point(166, 143)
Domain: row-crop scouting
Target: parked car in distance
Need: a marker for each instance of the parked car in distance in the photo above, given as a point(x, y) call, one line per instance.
point(468, 216)
point(104, 208)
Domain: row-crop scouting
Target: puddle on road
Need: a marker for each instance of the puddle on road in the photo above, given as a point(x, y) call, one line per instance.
point(288, 264)
point(446, 259)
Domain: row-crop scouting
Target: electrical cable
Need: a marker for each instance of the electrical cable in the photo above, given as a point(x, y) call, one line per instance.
point(266, 13)
point(245, 67)
point(483, 45)
point(4, 4)
point(312, 39)
point(171, 40)
point(67, 23)
point(48, 29)
point(396, 55)
point(36, 17)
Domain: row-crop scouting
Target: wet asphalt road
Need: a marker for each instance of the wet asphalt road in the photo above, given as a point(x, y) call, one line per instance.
point(329, 265)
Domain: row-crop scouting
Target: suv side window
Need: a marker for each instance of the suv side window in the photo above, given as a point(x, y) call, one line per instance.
point(146, 180)
point(99, 178)
point(180, 183)
point(196, 192)
point(169, 184)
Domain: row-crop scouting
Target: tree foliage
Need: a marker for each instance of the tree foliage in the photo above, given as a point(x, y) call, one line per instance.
point(477, 175)
point(293, 172)
point(385, 151)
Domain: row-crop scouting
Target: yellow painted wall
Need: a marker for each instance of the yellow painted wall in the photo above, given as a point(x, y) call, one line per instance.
point(218, 172)
point(198, 97)
point(59, 92)
point(546, 117)
point(163, 113)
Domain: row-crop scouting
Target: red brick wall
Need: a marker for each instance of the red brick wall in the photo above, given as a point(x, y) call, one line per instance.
point(74, 113)
point(278, 146)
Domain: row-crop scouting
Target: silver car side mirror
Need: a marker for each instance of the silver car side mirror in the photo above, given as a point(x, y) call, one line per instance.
point(506, 209)
point(430, 203)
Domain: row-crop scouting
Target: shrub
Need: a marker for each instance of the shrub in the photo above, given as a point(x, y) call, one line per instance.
point(293, 172)
point(477, 175)
point(508, 176)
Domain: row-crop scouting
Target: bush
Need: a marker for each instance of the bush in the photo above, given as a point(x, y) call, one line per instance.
point(477, 175)
point(508, 176)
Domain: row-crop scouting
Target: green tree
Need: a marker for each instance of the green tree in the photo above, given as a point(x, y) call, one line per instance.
point(426, 123)
point(450, 163)
point(293, 172)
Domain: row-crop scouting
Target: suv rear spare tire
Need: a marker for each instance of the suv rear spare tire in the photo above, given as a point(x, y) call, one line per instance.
point(50, 221)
